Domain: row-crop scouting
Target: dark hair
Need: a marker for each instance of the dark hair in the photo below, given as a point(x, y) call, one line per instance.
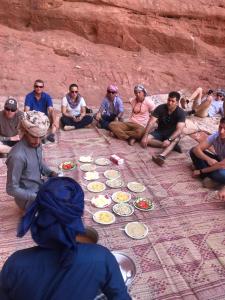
point(40, 81)
point(222, 120)
point(72, 86)
point(174, 95)
point(210, 92)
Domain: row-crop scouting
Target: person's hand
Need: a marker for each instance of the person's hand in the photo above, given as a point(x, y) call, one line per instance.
point(144, 141)
point(196, 173)
point(165, 143)
point(211, 161)
point(221, 194)
point(15, 138)
point(77, 119)
point(98, 116)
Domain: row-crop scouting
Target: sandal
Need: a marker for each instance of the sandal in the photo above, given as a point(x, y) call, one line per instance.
point(158, 159)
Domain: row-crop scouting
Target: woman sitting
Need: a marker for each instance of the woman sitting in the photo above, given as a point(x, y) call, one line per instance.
point(74, 110)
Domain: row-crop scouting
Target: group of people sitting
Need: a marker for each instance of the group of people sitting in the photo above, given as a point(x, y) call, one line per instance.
point(53, 208)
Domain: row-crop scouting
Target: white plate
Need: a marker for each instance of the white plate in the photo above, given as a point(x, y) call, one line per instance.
point(101, 161)
point(136, 230)
point(112, 174)
point(115, 183)
point(88, 167)
point(145, 199)
point(121, 197)
point(123, 209)
point(86, 159)
point(101, 201)
point(91, 175)
point(96, 187)
point(136, 187)
point(68, 162)
point(104, 217)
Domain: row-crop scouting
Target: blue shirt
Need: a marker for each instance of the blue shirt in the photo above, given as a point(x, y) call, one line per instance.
point(218, 144)
point(39, 105)
point(117, 106)
point(35, 274)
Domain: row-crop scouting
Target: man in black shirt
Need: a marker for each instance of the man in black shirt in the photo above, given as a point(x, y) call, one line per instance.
point(171, 121)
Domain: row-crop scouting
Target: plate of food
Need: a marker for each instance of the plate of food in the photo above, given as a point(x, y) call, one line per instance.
point(86, 159)
point(136, 187)
point(143, 203)
point(112, 174)
point(101, 201)
point(104, 217)
point(115, 183)
point(136, 230)
point(101, 161)
point(88, 167)
point(91, 175)
point(67, 165)
point(96, 186)
point(121, 196)
point(123, 209)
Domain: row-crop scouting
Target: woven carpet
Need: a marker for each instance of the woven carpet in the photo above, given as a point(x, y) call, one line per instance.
point(183, 255)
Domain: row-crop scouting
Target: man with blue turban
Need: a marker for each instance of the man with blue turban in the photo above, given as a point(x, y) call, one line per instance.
point(59, 267)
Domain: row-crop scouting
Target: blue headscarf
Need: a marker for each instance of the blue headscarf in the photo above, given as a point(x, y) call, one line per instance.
point(54, 218)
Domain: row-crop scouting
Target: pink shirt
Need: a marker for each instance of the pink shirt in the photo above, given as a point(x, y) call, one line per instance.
point(142, 110)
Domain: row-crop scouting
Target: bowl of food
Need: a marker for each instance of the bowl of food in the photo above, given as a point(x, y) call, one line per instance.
point(136, 230)
point(101, 161)
point(67, 165)
point(121, 196)
point(112, 174)
point(115, 183)
point(143, 203)
point(123, 209)
point(104, 217)
point(136, 187)
point(101, 201)
point(96, 186)
point(88, 167)
point(86, 159)
point(91, 175)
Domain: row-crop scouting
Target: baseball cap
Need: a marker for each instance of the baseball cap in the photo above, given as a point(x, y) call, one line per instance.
point(11, 103)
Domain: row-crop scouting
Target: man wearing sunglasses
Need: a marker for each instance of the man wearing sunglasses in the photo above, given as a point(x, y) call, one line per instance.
point(111, 108)
point(40, 101)
point(9, 122)
point(171, 121)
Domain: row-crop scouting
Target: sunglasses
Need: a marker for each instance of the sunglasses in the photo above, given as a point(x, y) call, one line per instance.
point(111, 92)
point(10, 109)
point(73, 92)
point(39, 86)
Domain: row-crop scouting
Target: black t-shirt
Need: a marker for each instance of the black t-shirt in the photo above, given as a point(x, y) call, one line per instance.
point(168, 121)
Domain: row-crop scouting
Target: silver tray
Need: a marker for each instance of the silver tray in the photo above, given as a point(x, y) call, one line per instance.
point(127, 267)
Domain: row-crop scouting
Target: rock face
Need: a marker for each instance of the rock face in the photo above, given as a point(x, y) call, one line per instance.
point(166, 45)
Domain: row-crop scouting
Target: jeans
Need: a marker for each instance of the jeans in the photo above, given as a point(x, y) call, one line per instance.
point(68, 121)
point(218, 175)
point(105, 120)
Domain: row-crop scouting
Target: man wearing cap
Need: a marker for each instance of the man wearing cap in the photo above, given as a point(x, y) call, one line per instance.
point(9, 122)
point(142, 106)
point(25, 167)
point(111, 108)
point(41, 101)
point(60, 267)
point(170, 119)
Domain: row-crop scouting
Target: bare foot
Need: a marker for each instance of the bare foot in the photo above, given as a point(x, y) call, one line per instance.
point(131, 141)
point(221, 193)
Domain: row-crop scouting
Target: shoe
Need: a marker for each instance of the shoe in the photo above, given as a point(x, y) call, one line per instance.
point(209, 183)
point(177, 148)
point(67, 127)
point(89, 110)
point(131, 141)
point(51, 137)
point(158, 159)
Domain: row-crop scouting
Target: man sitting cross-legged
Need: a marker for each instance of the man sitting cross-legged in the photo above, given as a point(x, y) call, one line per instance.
point(171, 121)
point(142, 106)
point(211, 166)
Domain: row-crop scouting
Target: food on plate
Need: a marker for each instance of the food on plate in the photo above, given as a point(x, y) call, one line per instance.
point(91, 175)
point(112, 174)
point(143, 203)
point(121, 196)
point(96, 187)
point(115, 183)
point(85, 159)
point(101, 161)
point(104, 217)
point(101, 201)
point(123, 209)
point(88, 167)
point(136, 230)
point(67, 165)
point(136, 187)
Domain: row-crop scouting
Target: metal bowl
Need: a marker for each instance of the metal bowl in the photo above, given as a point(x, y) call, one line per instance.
point(91, 236)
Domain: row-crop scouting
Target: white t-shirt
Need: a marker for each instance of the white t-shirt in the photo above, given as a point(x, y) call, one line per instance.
point(216, 107)
point(73, 111)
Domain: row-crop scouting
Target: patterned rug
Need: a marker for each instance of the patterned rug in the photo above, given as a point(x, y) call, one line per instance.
point(183, 255)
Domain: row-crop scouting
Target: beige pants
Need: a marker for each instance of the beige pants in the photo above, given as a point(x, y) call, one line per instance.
point(126, 130)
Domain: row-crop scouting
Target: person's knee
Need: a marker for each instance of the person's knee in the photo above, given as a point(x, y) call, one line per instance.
point(113, 126)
